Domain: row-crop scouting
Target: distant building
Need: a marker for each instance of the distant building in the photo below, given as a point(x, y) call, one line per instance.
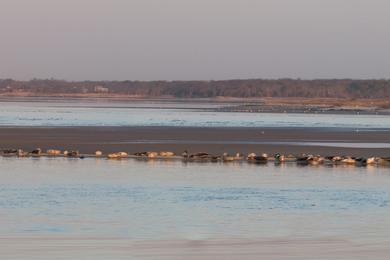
point(100, 89)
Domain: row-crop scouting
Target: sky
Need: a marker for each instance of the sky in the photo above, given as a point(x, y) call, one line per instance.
point(194, 39)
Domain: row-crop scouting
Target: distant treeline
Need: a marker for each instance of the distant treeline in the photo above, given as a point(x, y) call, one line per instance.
point(343, 88)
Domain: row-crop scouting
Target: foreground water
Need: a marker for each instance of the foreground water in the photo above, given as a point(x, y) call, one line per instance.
point(159, 200)
point(65, 113)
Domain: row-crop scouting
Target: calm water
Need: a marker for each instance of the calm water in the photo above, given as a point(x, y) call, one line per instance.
point(167, 114)
point(174, 200)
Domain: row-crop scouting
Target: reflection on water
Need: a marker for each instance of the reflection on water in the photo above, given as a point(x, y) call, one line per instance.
point(173, 200)
point(168, 114)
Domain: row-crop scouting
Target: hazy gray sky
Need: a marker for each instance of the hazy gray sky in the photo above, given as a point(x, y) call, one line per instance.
point(194, 39)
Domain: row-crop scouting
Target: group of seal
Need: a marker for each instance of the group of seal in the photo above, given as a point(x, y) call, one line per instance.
point(206, 157)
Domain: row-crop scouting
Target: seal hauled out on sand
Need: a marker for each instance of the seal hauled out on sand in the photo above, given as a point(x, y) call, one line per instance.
point(71, 154)
point(185, 154)
point(118, 155)
point(9, 152)
point(53, 152)
point(166, 154)
point(36, 152)
point(253, 158)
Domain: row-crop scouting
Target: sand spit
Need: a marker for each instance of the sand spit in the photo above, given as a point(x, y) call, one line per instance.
point(215, 140)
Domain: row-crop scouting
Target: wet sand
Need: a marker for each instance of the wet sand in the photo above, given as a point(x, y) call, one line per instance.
point(116, 248)
point(196, 139)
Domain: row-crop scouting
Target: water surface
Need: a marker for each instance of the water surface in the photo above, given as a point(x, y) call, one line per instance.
point(82, 113)
point(159, 200)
